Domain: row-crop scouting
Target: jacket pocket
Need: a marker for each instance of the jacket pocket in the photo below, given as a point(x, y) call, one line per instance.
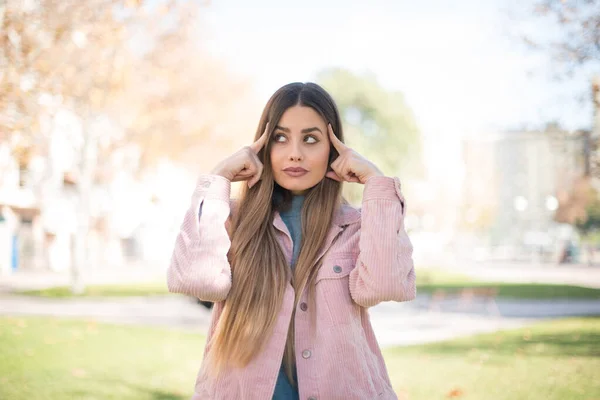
point(335, 267)
point(333, 291)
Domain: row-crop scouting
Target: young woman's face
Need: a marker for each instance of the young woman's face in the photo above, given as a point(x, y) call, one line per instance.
point(300, 141)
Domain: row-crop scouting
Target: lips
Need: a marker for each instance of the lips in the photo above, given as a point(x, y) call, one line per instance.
point(295, 172)
point(295, 169)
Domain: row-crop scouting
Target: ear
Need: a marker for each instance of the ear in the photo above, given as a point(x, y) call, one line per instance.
point(334, 176)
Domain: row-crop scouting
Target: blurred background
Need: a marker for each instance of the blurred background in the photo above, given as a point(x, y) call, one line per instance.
point(487, 110)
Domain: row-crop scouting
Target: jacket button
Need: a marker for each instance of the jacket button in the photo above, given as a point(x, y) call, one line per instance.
point(303, 306)
point(306, 354)
point(337, 269)
point(205, 184)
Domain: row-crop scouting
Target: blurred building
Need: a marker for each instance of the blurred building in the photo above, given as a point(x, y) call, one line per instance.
point(19, 211)
point(512, 184)
point(595, 134)
point(119, 217)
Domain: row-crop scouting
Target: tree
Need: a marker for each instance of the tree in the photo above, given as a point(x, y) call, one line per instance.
point(577, 43)
point(137, 65)
point(572, 202)
point(377, 123)
point(582, 209)
point(58, 55)
point(591, 221)
point(574, 46)
point(62, 49)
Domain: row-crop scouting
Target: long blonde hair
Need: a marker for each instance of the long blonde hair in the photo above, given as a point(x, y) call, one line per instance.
point(259, 269)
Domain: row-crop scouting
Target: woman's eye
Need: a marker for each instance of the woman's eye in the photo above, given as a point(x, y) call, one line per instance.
point(307, 139)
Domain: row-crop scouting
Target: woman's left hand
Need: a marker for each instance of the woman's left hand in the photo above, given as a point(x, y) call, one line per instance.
point(349, 166)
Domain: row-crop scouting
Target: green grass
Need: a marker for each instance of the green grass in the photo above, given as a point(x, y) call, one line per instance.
point(428, 281)
point(518, 290)
point(431, 280)
point(45, 358)
point(138, 289)
point(551, 360)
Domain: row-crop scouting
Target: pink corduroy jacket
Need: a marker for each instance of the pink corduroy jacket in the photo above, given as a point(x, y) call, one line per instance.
point(367, 260)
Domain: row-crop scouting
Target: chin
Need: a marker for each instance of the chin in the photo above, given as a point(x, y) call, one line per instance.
point(297, 186)
point(286, 184)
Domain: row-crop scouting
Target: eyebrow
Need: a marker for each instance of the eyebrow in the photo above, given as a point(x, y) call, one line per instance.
point(307, 130)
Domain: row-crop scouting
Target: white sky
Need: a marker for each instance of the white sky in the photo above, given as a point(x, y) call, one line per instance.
point(453, 60)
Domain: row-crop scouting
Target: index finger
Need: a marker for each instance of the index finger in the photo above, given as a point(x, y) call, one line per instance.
point(256, 146)
point(337, 143)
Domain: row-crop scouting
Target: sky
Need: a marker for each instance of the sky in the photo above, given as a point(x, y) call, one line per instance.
point(458, 63)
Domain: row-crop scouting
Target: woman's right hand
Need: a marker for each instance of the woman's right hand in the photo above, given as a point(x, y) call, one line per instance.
point(244, 164)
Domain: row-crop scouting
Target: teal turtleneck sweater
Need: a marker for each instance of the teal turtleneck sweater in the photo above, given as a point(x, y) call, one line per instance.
point(293, 220)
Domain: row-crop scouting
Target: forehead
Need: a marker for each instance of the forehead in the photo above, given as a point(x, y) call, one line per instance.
point(301, 117)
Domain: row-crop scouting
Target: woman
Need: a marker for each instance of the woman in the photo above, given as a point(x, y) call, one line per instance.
point(291, 267)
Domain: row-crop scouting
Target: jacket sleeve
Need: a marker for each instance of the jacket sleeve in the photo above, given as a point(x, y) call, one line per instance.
point(199, 265)
point(384, 269)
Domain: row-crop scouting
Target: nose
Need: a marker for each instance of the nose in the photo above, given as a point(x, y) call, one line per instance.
point(296, 153)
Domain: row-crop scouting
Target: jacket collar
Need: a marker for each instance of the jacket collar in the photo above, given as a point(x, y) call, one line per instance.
point(344, 216)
